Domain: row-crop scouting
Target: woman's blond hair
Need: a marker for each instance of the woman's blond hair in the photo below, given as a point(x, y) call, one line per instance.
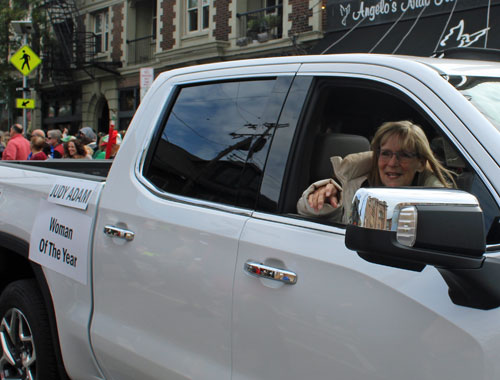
point(413, 139)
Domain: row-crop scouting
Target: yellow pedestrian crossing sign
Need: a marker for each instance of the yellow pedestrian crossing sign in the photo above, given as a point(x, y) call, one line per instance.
point(25, 103)
point(25, 60)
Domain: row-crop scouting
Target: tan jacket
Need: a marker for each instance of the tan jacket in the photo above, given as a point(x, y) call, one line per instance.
point(351, 172)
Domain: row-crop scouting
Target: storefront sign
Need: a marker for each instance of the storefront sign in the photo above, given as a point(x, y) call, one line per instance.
point(342, 14)
point(412, 27)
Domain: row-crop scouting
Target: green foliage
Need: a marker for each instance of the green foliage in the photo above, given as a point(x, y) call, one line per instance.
point(272, 21)
point(255, 25)
point(263, 24)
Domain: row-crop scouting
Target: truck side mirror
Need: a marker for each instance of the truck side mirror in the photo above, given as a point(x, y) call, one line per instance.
point(410, 228)
point(413, 227)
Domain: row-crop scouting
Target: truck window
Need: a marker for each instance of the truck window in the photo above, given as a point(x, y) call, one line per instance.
point(349, 111)
point(214, 142)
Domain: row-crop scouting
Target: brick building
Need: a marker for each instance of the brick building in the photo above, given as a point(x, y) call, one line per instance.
point(92, 69)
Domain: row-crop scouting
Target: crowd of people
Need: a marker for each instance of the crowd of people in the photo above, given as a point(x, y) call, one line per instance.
point(54, 144)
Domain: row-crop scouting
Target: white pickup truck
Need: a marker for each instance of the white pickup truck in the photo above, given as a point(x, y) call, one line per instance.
point(189, 260)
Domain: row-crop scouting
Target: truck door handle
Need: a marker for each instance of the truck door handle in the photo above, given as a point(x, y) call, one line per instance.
point(119, 233)
point(271, 273)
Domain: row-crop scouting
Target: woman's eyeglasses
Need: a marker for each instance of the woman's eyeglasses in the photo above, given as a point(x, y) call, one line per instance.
point(402, 156)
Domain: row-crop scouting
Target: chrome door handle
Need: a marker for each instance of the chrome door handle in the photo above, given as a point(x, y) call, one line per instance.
point(271, 273)
point(119, 233)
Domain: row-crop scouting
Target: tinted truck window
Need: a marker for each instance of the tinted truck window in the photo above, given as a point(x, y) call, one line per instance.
point(215, 140)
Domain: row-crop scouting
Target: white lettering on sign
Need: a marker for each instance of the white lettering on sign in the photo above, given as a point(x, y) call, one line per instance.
point(415, 4)
point(382, 7)
point(386, 7)
point(72, 193)
point(60, 240)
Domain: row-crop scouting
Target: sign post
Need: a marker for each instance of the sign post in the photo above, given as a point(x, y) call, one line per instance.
point(25, 60)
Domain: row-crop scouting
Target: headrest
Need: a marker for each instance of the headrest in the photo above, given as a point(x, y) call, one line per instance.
point(334, 144)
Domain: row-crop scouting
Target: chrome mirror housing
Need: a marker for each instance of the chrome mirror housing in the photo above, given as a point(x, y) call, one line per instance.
point(412, 227)
point(394, 209)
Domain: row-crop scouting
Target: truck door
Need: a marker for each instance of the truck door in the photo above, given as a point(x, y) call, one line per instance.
point(164, 266)
point(325, 312)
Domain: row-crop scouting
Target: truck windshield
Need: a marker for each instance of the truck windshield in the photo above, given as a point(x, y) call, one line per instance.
point(483, 93)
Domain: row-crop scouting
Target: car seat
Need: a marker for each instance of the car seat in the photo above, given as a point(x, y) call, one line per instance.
point(333, 144)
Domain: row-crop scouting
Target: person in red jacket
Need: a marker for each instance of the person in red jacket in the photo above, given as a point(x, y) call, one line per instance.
point(18, 147)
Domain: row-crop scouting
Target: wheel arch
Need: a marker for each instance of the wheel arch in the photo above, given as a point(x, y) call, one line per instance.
point(15, 265)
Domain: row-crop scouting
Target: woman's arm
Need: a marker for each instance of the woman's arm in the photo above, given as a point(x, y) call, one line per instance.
point(322, 198)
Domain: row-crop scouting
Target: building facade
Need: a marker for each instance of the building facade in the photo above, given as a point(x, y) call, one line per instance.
point(105, 53)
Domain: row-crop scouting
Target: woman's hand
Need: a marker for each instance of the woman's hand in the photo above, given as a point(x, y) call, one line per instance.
point(327, 193)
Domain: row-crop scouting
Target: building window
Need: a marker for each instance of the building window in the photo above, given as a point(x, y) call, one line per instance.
point(101, 31)
point(261, 21)
point(154, 21)
point(129, 99)
point(197, 14)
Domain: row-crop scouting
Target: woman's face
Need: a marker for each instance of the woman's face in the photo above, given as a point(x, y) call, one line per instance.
point(397, 170)
point(71, 148)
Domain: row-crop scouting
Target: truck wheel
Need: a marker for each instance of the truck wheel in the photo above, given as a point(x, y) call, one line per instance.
point(26, 347)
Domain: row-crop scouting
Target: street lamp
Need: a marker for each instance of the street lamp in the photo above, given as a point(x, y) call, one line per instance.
point(23, 28)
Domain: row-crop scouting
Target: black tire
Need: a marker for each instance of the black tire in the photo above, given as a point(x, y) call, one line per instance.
point(22, 307)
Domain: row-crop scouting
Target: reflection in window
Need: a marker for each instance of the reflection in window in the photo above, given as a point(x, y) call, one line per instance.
point(486, 98)
point(215, 141)
point(483, 93)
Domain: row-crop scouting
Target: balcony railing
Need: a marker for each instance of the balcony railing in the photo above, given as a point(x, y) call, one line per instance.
point(260, 25)
point(140, 50)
